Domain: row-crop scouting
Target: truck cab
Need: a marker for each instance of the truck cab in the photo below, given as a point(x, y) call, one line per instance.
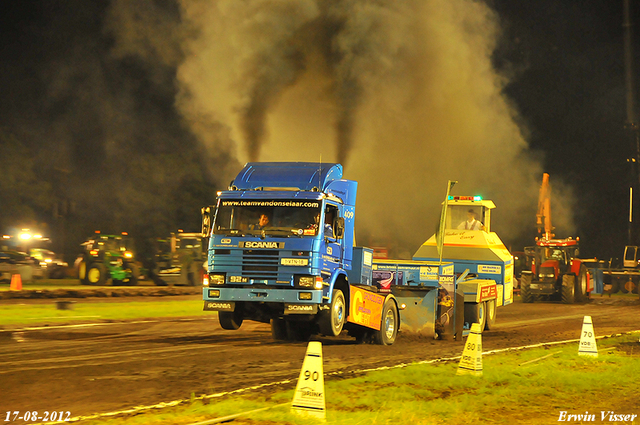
point(281, 245)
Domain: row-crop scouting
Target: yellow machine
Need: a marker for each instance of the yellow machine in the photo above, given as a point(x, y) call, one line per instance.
point(483, 265)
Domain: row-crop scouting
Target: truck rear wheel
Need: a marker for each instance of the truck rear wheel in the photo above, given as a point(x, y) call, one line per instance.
point(525, 288)
point(332, 320)
point(475, 313)
point(96, 274)
point(279, 329)
point(388, 325)
point(568, 289)
point(490, 310)
point(230, 320)
point(298, 331)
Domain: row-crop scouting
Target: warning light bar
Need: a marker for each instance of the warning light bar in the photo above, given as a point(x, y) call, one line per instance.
point(465, 198)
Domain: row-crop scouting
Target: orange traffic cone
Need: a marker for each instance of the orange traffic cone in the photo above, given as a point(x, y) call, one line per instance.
point(16, 282)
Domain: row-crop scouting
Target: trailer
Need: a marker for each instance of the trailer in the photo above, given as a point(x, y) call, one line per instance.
point(615, 276)
point(282, 251)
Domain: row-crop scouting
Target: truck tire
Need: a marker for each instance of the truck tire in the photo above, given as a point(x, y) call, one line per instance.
point(230, 320)
point(568, 289)
point(388, 324)
point(525, 288)
point(331, 321)
point(475, 313)
point(491, 308)
point(581, 284)
point(298, 331)
point(279, 329)
point(96, 274)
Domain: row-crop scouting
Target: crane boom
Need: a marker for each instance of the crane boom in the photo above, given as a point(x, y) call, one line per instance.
point(543, 217)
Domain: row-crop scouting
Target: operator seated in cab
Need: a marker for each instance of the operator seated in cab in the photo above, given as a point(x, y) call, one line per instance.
point(263, 222)
point(471, 223)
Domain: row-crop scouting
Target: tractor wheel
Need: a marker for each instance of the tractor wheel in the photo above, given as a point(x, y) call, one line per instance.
point(491, 310)
point(134, 273)
point(230, 320)
point(525, 288)
point(388, 325)
point(82, 272)
point(568, 289)
point(475, 313)
point(615, 285)
point(581, 284)
point(626, 286)
point(332, 320)
point(96, 274)
point(279, 329)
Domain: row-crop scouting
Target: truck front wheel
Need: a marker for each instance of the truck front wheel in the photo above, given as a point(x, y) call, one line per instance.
point(332, 320)
point(230, 320)
point(389, 324)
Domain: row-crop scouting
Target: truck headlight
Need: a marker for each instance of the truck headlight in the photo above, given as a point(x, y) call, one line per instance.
point(306, 281)
point(216, 279)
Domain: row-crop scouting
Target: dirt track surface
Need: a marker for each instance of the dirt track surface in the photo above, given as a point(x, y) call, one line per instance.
point(108, 367)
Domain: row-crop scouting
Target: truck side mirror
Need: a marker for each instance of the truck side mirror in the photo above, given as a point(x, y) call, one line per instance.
point(206, 221)
point(339, 227)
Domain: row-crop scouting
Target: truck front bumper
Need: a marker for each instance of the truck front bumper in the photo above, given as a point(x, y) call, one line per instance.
point(296, 296)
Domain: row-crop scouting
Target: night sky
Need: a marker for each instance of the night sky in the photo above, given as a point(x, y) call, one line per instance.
point(130, 115)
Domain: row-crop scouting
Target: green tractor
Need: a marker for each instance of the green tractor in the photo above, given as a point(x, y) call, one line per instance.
point(108, 257)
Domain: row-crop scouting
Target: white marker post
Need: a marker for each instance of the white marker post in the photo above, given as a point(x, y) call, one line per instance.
point(588, 345)
point(471, 360)
point(309, 396)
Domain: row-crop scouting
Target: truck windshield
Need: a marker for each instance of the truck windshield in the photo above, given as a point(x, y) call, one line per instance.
point(272, 217)
point(464, 217)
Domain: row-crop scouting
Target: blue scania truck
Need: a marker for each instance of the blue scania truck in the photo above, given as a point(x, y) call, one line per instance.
point(282, 251)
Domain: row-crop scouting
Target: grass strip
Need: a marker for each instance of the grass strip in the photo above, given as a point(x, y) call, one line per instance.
point(31, 314)
point(528, 387)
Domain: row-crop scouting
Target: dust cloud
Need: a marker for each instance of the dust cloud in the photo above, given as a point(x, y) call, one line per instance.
point(403, 93)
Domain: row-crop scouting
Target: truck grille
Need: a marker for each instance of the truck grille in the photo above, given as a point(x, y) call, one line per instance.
point(260, 264)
